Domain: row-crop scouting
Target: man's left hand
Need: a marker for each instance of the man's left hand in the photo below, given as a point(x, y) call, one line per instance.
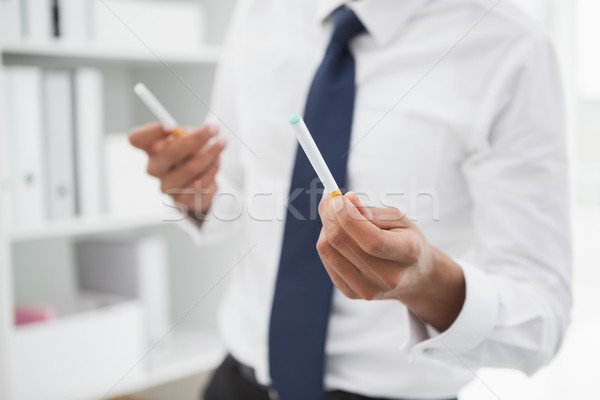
point(378, 253)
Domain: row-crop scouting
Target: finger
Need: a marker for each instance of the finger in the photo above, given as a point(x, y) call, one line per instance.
point(390, 218)
point(325, 212)
point(364, 210)
point(328, 257)
point(201, 181)
point(194, 168)
point(383, 218)
point(144, 136)
point(383, 273)
point(349, 279)
point(337, 237)
point(158, 145)
point(196, 199)
point(399, 245)
point(328, 218)
point(339, 282)
point(207, 179)
point(177, 151)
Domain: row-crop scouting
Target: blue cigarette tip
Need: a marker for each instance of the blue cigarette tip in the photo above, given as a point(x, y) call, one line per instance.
point(294, 119)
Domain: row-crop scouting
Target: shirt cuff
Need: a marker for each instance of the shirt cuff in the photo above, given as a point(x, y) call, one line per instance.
point(473, 325)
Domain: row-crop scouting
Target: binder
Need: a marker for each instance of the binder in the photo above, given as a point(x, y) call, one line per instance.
point(88, 141)
point(37, 19)
point(5, 177)
point(74, 20)
point(58, 143)
point(130, 267)
point(23, 136)
point(10, 19)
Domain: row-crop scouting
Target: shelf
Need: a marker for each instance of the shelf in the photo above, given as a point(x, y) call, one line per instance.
point(193, 351)
point(23, 52)
point(81, 226)
point(130, 368)
point(77, 354)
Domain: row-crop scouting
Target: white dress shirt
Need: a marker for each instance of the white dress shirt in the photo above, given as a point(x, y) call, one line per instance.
point(459, 123)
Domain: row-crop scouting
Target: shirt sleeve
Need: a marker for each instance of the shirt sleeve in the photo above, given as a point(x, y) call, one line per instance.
point(221, 220)
point(518, 271)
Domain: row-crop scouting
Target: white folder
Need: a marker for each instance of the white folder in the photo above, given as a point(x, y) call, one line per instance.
point(74, 20)
point(89, 129)
point(58, 143)
point(37, 20)
point(23, 136)
point(10, 19)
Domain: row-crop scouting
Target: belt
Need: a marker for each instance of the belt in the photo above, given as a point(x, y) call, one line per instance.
point(248, 373)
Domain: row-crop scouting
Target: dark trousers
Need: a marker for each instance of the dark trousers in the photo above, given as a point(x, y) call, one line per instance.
point(229, 382)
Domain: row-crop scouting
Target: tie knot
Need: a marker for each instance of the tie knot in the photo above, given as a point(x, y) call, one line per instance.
point(346, 25)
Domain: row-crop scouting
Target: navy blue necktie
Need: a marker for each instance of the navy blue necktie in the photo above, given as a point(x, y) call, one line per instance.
point(302, 299)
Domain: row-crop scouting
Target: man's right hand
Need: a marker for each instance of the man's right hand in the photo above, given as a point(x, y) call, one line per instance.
point(186, 166)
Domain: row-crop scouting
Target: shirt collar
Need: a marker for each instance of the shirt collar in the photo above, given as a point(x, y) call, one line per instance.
point(383, 19)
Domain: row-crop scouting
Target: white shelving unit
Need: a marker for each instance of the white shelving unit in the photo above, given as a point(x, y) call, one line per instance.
point(34, 52)
point(82, 226)
point(193, 351)
point(183, 81)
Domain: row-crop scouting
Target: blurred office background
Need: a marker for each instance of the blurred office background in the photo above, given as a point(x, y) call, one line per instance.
point(82, 203)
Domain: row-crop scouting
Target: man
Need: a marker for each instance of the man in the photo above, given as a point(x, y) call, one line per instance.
point(446, 118)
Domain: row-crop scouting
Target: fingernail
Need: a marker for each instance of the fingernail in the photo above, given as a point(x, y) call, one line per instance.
point(338, 203)
point(221, 142)
point(212, 130)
